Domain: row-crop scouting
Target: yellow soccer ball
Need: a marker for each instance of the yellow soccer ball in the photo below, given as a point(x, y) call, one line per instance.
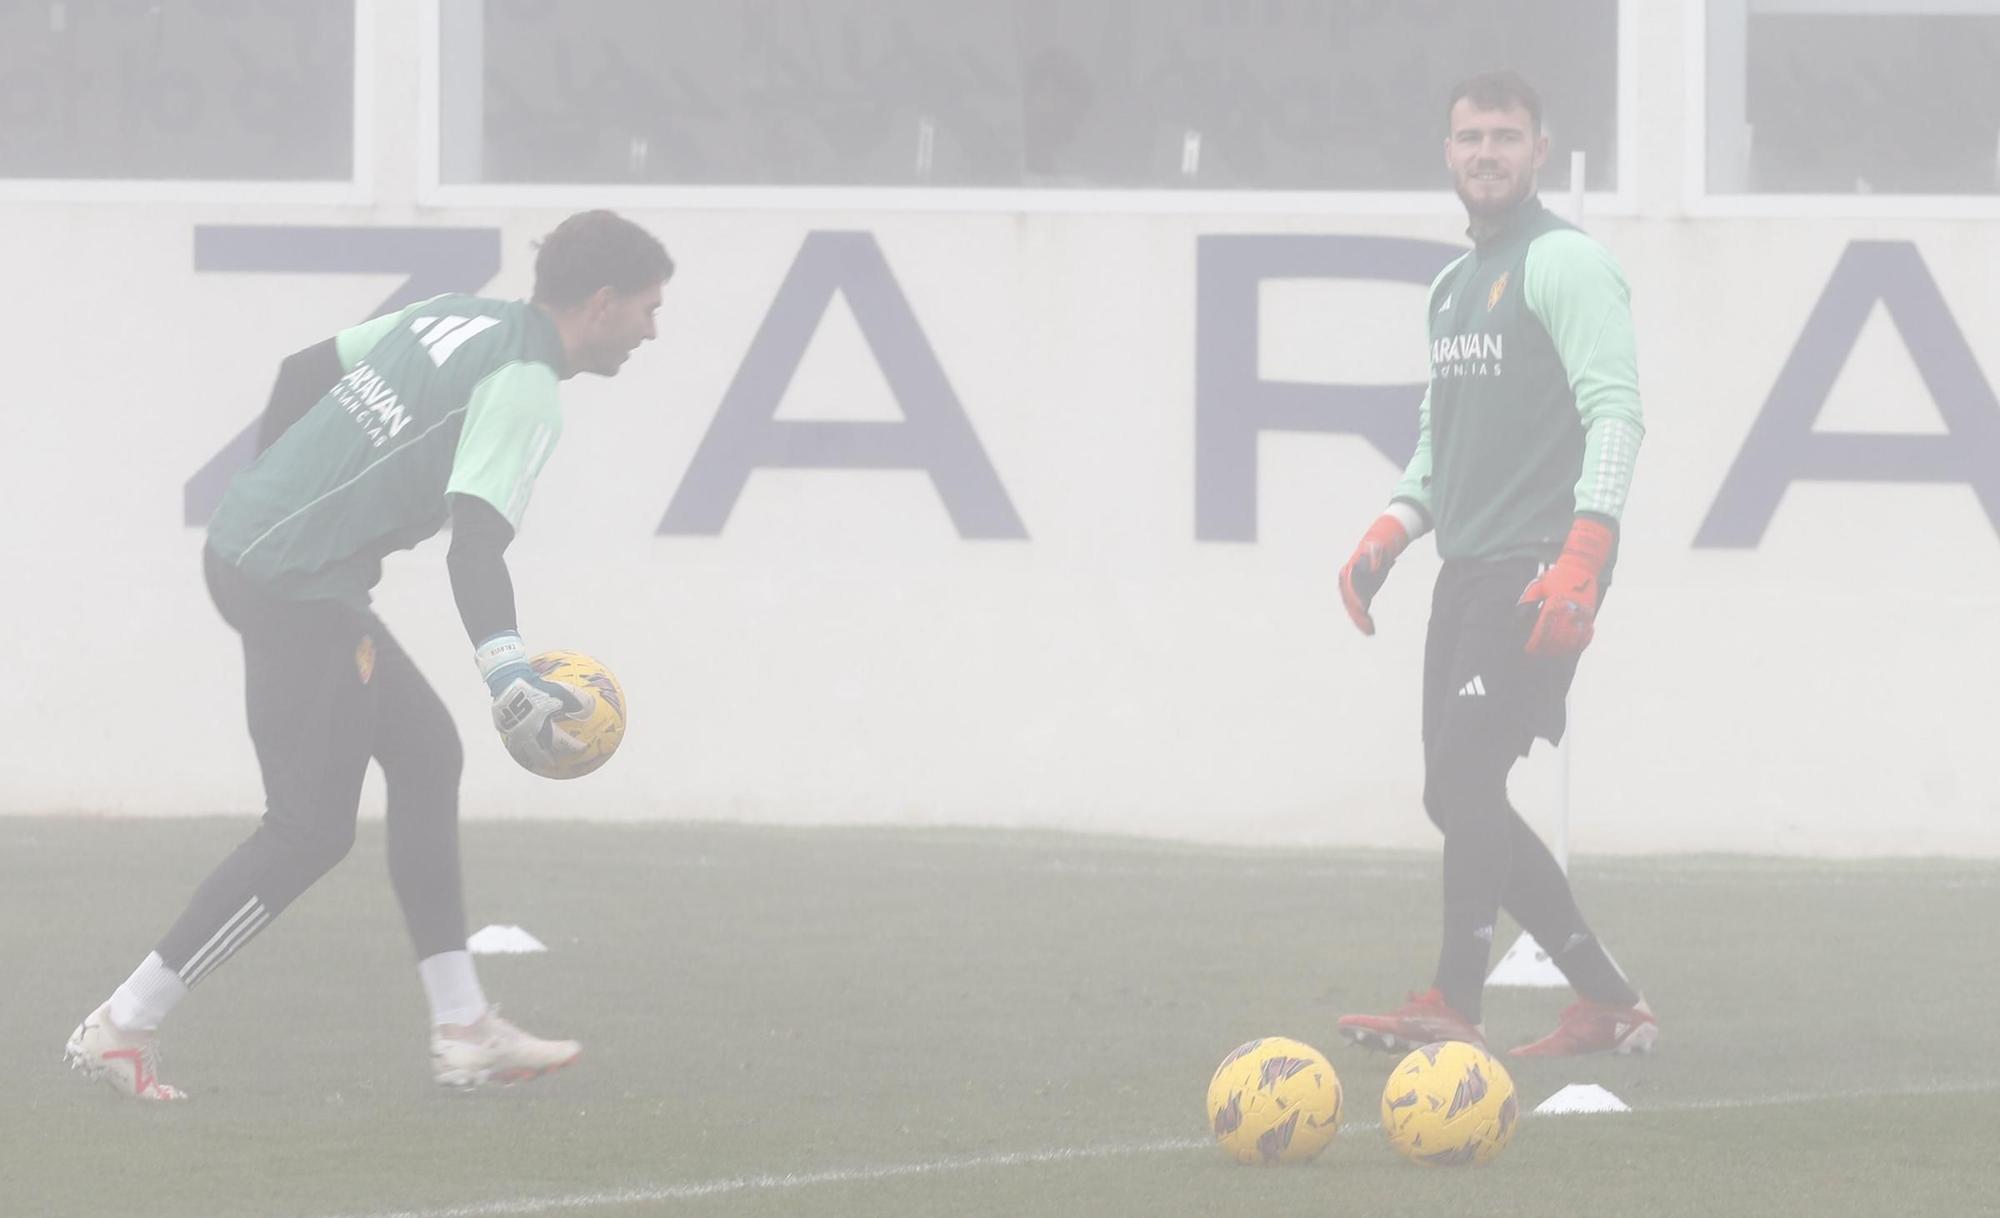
point(600, 725)
point(1450, 1104)
point(1274, 1101)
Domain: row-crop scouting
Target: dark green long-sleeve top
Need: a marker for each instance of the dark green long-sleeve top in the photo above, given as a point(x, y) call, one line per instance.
point(1532, 414)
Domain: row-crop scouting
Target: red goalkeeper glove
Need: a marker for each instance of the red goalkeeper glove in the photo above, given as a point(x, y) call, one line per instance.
point(1567, 592)
point(1362, 577)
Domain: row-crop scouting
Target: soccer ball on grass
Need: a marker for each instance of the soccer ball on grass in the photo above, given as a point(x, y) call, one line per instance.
point(1274, 1101)
point(1450, 1104)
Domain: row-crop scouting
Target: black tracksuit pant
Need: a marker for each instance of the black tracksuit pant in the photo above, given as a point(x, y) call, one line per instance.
point(326, 689)
point(1485, 702)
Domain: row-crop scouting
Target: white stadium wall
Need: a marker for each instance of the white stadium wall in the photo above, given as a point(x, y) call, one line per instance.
point(1795, 666)
point(1077, 608)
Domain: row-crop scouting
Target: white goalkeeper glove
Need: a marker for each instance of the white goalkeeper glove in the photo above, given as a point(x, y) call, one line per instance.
point(528, 709)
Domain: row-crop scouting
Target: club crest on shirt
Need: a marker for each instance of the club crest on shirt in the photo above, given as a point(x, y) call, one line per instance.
point(1499, 290)
point(364, 658)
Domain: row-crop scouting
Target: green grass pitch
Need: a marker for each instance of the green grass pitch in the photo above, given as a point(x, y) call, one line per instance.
point(882, 1022)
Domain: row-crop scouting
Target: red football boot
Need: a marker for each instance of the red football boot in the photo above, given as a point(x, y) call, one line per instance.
point(1423, 1020)
point(1592, 1027)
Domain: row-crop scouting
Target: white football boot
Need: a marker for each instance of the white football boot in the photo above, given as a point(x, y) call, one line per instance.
point(492, 1050)
point(129, 1061)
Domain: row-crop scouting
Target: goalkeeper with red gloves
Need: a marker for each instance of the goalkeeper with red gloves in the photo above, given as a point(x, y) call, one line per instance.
point(1525, 452)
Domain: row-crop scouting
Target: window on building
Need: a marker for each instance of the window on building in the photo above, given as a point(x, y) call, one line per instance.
point(177, 90)
point(1299, 94)
point(1853, 96)
point(1207, 94)
point(756, 92)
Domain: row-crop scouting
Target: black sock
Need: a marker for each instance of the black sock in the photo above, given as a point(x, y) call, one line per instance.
point(1591, 971)
point(1539, 898)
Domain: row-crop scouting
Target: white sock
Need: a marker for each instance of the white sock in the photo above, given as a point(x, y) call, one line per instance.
point(148, 995)
point(452, 986)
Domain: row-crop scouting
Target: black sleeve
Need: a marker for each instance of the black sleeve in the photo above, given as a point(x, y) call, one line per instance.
point(479, 580)
point(303, 379)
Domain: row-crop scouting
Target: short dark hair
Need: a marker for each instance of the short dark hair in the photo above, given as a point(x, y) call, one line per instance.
point(597, 249)
point(1502, 89)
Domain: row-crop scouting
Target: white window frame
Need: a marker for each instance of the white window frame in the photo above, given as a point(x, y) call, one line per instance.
point(433, 192)
point(358, 189)
point(1700, 203)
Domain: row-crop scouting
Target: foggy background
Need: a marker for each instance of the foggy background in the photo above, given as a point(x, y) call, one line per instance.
point(1148, 277)
point(967, 546)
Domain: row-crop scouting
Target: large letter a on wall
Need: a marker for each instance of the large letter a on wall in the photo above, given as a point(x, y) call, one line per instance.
point(934, 434)
point(1783, 447)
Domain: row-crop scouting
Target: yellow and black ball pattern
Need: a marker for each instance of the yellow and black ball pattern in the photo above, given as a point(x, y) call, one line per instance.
point(1450, 1104)
point(600, 725)
point(1274, 1100)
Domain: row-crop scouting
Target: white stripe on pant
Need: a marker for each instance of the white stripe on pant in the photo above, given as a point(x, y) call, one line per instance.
point(244, 923)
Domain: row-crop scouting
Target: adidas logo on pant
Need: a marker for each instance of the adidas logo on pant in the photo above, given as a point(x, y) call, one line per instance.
point(1475, 688)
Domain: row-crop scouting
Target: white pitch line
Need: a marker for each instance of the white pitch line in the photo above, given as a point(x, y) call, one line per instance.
point(1953, 1087)
point(572, 1202)
point(738, 1184)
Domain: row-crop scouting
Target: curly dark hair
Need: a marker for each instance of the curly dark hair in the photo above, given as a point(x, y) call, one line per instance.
point(597, 249)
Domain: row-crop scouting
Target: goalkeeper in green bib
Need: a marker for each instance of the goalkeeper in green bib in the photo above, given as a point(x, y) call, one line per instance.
point(443, 412)
point(1525, 451)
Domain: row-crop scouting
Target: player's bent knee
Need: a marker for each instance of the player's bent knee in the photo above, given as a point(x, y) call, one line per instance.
point(318, 850)
point(328, 849)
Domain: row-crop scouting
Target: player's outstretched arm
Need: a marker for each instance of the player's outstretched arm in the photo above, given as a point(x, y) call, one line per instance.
point(527, 710)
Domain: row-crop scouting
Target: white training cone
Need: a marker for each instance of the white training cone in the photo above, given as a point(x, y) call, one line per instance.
point(503, 941)
point(1581, 1098)
point(1527, 966)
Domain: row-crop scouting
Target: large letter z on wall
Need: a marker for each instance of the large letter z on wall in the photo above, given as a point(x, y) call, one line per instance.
point(436, 260)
